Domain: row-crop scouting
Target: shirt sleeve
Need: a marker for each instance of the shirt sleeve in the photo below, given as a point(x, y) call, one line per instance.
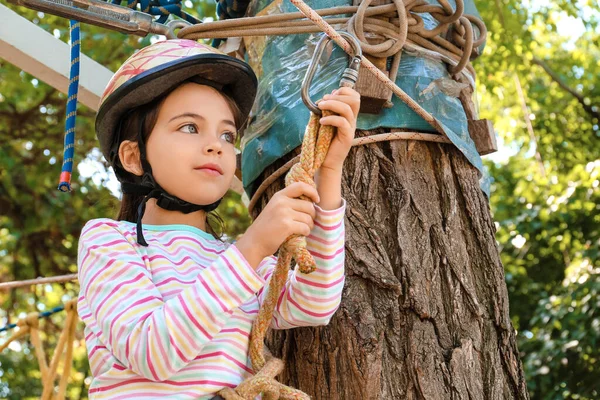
point(312, 299)
point(154, 338)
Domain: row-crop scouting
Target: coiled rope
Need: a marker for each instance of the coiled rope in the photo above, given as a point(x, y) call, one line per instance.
point(405, 30)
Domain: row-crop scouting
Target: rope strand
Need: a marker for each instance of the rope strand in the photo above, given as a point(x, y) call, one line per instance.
point(359, 141)
point(38, 281)
point(315, 145)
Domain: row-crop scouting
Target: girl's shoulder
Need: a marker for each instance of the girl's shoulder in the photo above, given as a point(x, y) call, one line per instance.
point(99, 225)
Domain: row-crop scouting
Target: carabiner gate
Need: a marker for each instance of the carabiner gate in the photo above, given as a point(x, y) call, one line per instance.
point(349, 76)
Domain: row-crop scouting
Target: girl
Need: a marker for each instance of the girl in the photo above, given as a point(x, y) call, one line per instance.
point(168, 307)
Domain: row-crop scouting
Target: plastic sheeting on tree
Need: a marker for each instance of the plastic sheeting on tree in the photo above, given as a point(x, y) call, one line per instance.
point(280, 116)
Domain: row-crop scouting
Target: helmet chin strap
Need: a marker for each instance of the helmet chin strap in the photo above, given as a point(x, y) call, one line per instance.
point(150, 189)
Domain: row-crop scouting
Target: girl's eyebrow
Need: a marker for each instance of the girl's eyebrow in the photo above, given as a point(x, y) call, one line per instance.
point(198, 116)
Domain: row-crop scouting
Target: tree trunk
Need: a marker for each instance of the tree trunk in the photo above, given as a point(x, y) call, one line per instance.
point(424, 313)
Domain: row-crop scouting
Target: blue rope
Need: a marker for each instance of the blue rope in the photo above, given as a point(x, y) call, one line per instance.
point(69, 150)
point(228, 9)
point(44, 314)
point(160, 8)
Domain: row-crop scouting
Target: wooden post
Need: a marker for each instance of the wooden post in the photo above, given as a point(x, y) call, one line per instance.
point(482, 133)
point(374, 94)
point(480, 130)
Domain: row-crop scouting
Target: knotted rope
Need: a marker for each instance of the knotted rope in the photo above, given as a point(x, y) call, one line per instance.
point(315, 145)
point(30, 325)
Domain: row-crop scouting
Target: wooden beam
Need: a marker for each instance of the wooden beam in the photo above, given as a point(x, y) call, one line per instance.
point(482, 133)
point(39, 53)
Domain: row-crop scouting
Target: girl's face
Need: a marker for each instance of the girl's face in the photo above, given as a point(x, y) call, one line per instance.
point(191, 148)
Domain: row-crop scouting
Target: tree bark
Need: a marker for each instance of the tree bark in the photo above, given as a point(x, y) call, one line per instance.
point(424, 313)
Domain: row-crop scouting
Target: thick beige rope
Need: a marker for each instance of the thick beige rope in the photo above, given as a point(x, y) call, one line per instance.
point(315, 145)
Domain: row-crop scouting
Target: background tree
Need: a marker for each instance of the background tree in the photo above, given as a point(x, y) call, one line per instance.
point(545, 193)
point(545, 196)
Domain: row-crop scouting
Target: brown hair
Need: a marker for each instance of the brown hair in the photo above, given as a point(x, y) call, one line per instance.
point(130, 126)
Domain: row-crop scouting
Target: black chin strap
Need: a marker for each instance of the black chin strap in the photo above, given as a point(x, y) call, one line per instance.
point(164, 200)
point(150, 189)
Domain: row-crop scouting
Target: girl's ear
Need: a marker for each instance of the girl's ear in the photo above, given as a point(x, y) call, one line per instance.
point(129, 154)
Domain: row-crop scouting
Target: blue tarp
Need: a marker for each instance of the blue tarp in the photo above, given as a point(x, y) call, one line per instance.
point(280, 116)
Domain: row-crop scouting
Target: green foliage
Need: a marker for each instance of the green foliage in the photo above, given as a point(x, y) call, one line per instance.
point(546, 205)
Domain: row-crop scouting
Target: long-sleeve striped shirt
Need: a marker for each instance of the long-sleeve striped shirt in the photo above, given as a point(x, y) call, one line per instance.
point(173, 320)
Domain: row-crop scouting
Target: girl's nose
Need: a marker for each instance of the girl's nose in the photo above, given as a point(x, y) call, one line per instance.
point(212, 146)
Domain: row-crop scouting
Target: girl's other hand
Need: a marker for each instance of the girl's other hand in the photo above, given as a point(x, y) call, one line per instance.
point(345, 102)
point(284, 215)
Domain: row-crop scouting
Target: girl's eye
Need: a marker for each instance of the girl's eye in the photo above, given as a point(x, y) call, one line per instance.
point(228, 136)
point(189, 128)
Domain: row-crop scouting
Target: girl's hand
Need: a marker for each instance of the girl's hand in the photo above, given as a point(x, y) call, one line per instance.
point(283, 216)
point(345, 102)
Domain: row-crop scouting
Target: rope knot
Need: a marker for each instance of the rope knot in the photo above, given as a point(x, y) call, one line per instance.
point(31, 321)
point(71, 305)
point(296, 246)
point(394, 33)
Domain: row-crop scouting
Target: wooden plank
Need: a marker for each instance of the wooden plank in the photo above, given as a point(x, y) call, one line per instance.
point(480, 130)
point(373, 93)
point(482, 133)
point(39, 53)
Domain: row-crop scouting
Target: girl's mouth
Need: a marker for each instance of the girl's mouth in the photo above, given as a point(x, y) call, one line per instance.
point(211, 169)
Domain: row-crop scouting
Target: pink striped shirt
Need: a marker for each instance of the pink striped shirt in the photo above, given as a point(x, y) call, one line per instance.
point(173, 320)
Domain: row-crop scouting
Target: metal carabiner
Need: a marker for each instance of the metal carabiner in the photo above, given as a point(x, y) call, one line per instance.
point(105, 15)
point(349, 76)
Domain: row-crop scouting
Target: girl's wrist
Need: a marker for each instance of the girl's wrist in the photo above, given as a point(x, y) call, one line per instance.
point(329, 186)
point(326, 172)
point(250, 250)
